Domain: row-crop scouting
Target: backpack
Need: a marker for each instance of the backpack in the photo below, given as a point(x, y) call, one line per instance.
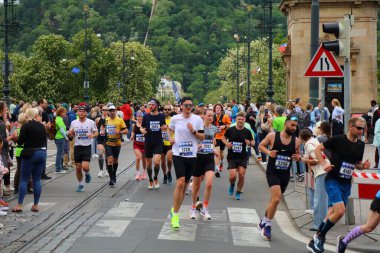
point(52, 131)
point(305, 120)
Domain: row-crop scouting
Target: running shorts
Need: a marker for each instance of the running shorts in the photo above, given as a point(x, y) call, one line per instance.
point(166, 149)
point(113, 151)
point(234, 164)
point(205, 162)
point(219, 143)
point(82, 154)
point(101, 140)
point(184, 167)
point(278, 179)
point(337, 192)
point(375, 205)
point(139, 147)
point(151, 150)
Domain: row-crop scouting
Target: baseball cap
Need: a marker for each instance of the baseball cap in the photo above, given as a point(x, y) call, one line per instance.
point(82, 104)
point(111, 107)
point(201, 104)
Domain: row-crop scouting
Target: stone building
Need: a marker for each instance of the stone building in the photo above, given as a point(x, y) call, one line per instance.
point(363, 48)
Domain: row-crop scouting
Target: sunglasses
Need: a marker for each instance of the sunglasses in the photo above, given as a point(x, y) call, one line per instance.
point(360, 128)
point(112, 110)
point(166, 109)
point(188, 105)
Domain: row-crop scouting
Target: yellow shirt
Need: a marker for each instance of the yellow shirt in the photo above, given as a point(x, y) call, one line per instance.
point(113, 125)
point(165, 136)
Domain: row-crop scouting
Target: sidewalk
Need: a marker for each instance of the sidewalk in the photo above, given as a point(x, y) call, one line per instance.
point(296, 201)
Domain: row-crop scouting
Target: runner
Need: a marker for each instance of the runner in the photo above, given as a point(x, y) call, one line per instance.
point(188, 131)
point(372, 222)
point(152, 126)
point(346, 154)
point(115, 127)
point(284, 147)
point(167, 154)
point(204, 167)
point(222, 122)
point(236, 139)
point(101, 139)
point(84, 130)
point(138, 146)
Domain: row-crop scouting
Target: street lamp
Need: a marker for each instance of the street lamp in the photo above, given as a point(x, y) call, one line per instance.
point(124, 40)
point(249, 8)
point(86, 82)
point(270, 91)
point(237, 38)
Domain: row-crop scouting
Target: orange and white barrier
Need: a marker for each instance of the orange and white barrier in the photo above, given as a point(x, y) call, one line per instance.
point(365, 185)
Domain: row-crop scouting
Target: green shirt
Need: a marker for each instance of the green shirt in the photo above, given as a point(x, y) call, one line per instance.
point(278, 123)
point(58, 124)
point(18, 148)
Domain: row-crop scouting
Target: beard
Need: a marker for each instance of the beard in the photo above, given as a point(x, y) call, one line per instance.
point(289, 132)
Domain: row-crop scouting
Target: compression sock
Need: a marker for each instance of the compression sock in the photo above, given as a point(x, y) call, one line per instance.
point(101, 161)
point(156, 171)
point(355, 233)
point(110, 170)
point(323, 223)
point(149, 170)
point(115, 165)
point(326, 228)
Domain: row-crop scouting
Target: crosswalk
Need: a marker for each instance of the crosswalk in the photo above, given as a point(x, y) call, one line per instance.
point(241, 223)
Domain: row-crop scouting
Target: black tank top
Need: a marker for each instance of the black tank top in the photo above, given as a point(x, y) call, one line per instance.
point(139, 137)
point(283, 161)
point(101, 123)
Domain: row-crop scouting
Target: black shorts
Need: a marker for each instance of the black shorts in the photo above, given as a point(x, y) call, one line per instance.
point(82, 154)
point(220, 144)
point(234, 164)
point(375, 205)
point(127, 123)
point(166, 149)
point(278, 179)
point(184, 167)
point(113, 151)
point(153, 149)
point(101, 140)
point(204, 163)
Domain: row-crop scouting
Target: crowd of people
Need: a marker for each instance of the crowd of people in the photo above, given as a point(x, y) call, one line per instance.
point(289, 140)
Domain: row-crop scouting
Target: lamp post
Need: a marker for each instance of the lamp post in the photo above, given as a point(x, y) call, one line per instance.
point(249, 8)
point(270, 91)
point(86, 82)
point(237, 38)
point(124, 66)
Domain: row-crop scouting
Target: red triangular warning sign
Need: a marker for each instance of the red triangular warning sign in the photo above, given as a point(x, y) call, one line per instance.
point(324, 64)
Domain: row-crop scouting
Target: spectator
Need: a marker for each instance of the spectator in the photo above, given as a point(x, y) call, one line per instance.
point(60, 137)
point(337, 118)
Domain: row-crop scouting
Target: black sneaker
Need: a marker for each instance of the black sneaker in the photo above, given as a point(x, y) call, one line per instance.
point(45, 177)
point(319, 242)
point(170, 179)
point(111, 184)
point(340, 246)
point(311, 247)
point(165, 179)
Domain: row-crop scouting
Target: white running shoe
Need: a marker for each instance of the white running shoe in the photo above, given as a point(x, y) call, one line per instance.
point(309, 211)
point(4, 208)
point(156, 184)
point(193, 214)
point(150, 186)
point(101, 174)
point(3, 213)
point(95, 156)
point(188, 190)
point(204, 212)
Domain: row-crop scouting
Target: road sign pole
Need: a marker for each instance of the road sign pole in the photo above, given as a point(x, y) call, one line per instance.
point(323, 86)
point(347, 92)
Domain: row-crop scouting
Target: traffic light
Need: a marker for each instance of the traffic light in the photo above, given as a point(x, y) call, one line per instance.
point(341, 30)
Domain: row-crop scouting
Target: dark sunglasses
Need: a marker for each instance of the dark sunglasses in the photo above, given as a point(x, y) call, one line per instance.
point(360, 128)
point(188, 105)
point(166, 109)
point(112, 110)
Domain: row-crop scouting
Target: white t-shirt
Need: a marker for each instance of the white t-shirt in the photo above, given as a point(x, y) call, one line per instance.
point(82, 130)
point(186, 143)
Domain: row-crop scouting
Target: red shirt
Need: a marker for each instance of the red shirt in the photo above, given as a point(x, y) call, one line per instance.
point(127, 111)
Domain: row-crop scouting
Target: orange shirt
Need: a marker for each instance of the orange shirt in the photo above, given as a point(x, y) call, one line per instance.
point(226, 121)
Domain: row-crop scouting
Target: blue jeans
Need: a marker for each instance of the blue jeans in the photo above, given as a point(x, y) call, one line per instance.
point(311, 197)
point(94, 149)
point(320, 201)
point(60, 143)
point(32, 166)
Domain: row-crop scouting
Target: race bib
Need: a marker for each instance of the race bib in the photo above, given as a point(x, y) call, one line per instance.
point(140, 138)
point(185, 148)
point(237, 147)
point(218, 129)
point(346, 170)
point(207, 146)
point(282, 162)
point(154, 126)
point(81, 134)
point(111, 129)
point(165, 136)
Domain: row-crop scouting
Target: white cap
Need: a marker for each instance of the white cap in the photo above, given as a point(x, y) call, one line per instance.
point(111, 107)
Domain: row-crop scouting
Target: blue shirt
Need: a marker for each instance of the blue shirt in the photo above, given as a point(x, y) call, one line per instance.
point(235, 111)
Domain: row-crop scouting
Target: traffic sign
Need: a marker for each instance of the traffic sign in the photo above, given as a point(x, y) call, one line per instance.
point(323, 64)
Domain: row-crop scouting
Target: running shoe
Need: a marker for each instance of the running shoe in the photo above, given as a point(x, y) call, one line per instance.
point(170, 179)
point(101, 174)
point(340, 246)
point(188, 190)
point(150, 186)
point(311, 247)
point(175, 221)
point(204, 212)
point(95, 156)
point(199, 206)
point(111, 184)
point(231, 190)
point(318, 242)
point(4, 208)
point(143, 176)
point(193, 214)
point(80, 188)
point(88, 177)
point(237, 195)
point(137, 177)
point(266, 233)
point(3, 213)
point(217, 173)
point(165, 181)
point(60, 172)
point(291, 179)
point(261, 225)
point(3, 203)
point(156, 184)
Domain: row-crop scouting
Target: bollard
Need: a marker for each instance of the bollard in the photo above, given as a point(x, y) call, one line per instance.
point(350, 212)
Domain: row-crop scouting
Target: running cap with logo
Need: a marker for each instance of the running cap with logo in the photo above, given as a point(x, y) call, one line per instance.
point(201, 104)
point(111, 107)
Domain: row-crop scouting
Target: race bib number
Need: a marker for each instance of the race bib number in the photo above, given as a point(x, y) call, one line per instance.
point(165, 136)
point(346, 170)
point(111, 129)
point(207, 146)
point(185, 148)
point(154, 126)
point(140, 138)
point(282, 162)
point(81, 134)
point(218, 129)
point(237, 147)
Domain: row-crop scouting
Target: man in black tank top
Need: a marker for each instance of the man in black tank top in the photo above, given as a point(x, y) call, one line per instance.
point(284, 148)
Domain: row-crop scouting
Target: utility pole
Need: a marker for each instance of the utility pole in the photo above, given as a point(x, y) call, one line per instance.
point(86, 82)
point(124, 66)
point(270, 91)
point(314, 45)
point(250, 7)
point(237, 38)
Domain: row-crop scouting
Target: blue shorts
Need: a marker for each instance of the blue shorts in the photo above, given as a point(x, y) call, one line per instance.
point(337, 192)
